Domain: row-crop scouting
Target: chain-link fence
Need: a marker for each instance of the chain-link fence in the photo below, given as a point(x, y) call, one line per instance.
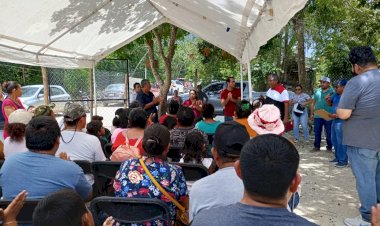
point(108, 88)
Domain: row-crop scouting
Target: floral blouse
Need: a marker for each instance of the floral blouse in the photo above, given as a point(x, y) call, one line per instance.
point(131, 181)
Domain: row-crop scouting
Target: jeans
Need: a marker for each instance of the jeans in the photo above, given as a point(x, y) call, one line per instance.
point(304, 119)
point(228, 118)
point(337, 137)
point(365, 164)
point(318, 125)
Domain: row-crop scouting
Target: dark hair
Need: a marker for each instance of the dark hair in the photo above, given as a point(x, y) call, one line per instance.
point(362, 56)
point(41, 133)
point(229, 79)
point(156, 139)
point(275, 77)
point(16, 131)
point(94, 127)
point(185, 116)
point(137, 118)
point(62, 208)
point(268, 164)
point(299, 85)
point(208, 110)
point(135, 84)
point(134, 104)
point(10, 85)
point(199, 87)
point(74, 122)
point(194, 147)
point(144, 82)
point(97, 117)
point(243, 109)
point(173, 107)
point(121, 118)
point(170, 122)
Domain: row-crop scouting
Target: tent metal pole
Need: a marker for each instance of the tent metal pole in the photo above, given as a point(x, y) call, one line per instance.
point(241, 80)
point(249, 81)
point(94, 78)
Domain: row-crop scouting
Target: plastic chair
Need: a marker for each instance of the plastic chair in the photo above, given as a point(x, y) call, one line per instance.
point(193, 172)
point(25, 215)
point(130, 210)
point(104, 172)
point(85, 165)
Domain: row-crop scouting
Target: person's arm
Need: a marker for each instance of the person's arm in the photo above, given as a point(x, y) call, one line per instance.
point(198, 105)
point(237, 94)
point(286, 113)
point(343, 113)
point(83, 187)
point(8, 110)
point(348, 100)
point(311, 117)
point(99, 154)
point(8, 216)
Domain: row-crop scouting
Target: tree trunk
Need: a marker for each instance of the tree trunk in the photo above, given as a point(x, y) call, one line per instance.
point(300, 32)
point(164, 84)
point(45, 81)
point(285, 62)
point(195, 78)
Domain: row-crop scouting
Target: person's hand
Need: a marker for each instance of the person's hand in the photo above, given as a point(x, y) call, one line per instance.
point(10, 213)
point(198, 102)
point(229, 96)
point(64, 156)
point(311, 118)
point(328, 97)
point(333, 115)
point(157, 100)
point(151, 118)
point(109, 221)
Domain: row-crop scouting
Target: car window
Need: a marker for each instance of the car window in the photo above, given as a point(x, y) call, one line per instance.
point(41, 92)
point(28, 91)
point(115, 88)
point(244, 85)
point(56, 91)
point(214, 88)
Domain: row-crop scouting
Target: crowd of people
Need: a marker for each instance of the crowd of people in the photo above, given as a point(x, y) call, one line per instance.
point(254, 170)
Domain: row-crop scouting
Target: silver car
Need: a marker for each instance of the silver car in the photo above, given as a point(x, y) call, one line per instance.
point(33, 95)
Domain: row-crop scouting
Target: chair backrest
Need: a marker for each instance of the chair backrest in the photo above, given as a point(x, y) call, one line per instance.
point(104, 172)
point(108, 150)
point(85, 165)
point(174, 153)
point(130, 210)
point(25, 215)
point(193, 172)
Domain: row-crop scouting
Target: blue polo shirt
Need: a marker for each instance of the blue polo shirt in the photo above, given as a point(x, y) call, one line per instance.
point(320, 102)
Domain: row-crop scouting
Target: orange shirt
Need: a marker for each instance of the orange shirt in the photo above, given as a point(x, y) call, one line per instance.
point(244, 122)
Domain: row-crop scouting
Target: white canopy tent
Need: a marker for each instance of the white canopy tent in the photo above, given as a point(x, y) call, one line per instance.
point(78, 34)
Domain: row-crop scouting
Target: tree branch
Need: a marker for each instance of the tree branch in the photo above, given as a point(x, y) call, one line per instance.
point(158, 36)
point(149, 43)
point(173, 34)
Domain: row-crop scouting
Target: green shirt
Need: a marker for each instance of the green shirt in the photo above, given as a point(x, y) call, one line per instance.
point(320, 102)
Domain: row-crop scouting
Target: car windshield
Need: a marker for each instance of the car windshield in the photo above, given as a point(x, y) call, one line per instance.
point(115, 87)
point(28, 91)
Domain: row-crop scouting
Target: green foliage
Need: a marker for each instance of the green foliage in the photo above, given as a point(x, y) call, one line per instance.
point(75, 81)
point(23, 74)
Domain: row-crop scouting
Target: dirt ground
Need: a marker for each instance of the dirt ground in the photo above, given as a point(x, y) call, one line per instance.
point(328, 194)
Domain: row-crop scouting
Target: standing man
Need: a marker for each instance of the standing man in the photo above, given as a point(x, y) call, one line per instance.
point(147, 100)
point(136, 90)
point(319, 102)
point(228, 98)
point(279, 96)
point(359, 106)
point(201, 95)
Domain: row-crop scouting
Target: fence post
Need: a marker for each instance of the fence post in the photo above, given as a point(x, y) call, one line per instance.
point(90, 73)
point(45, 82)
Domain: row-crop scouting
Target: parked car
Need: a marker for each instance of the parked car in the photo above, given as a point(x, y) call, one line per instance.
point(214, 89)
point(176, 85)
point(33, 95)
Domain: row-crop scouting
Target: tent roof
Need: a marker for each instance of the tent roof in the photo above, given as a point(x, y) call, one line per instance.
point(77, 33)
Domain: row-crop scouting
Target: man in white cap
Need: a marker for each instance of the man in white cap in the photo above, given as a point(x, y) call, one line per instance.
point(319, 102)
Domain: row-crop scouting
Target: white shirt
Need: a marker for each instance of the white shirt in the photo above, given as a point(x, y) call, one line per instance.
point(81, 146)
point(12, 147)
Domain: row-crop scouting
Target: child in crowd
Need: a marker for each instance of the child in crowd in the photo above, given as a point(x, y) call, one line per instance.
point(95, 128)
point(341, 158)
point(195, 150)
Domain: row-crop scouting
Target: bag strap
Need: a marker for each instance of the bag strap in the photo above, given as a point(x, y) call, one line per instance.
point(138, 141)
point(182, 208)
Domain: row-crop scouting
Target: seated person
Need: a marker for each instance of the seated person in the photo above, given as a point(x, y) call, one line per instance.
point(119, 122)
point(64, 208)
point(76, 144)
point(242, 110)
point(266, 120)
point(186, 117)
point(173, 107)
point(208, 124)
point(195, 150)
point(268, 166)
point(137, 122)
point(95, 128)
point(107, 133)
point(170, 122)
point(227, 188)
point(44, 110)
point(15, 142)
point(132, 181)
point(38, 171)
